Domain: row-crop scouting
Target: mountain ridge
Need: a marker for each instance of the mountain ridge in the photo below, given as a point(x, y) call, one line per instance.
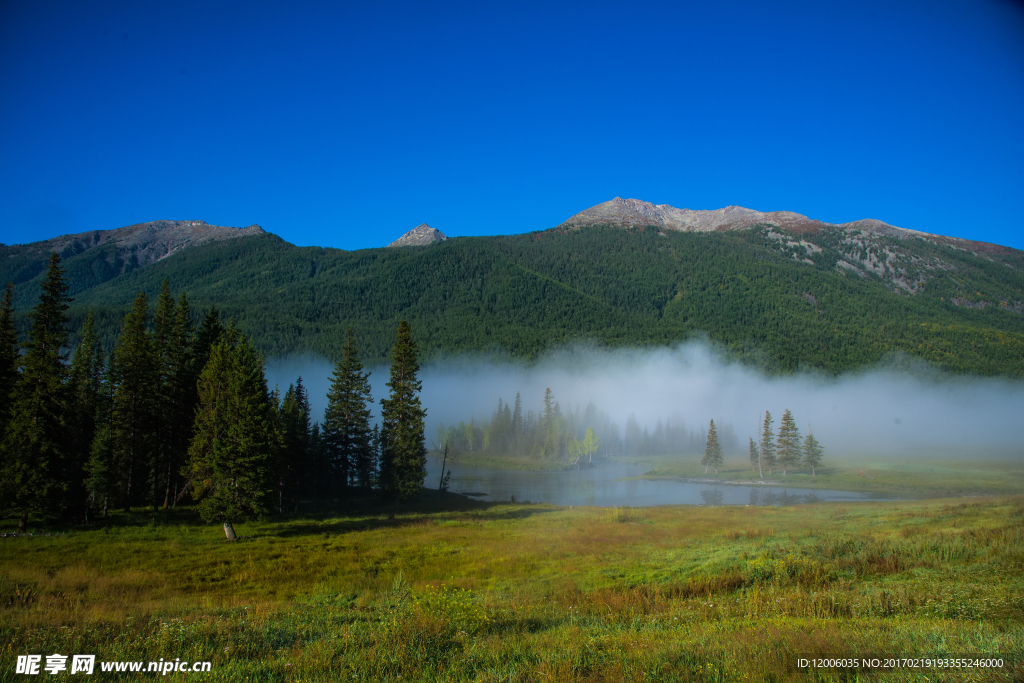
point(620, 212)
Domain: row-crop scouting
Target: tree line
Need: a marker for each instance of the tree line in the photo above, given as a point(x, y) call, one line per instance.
point(521, 295)
point(571, 437)
point(179, 412)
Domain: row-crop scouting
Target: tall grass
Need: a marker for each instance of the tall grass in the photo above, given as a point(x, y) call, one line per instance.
point(530, 593)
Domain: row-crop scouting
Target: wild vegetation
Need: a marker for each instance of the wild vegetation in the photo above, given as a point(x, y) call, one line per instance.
point(463, 591)
point(176, 414)
point(521, 295)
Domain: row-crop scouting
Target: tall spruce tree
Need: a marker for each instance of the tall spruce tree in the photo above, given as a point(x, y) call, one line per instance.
point(231, 456)
point(768, 442)
point(178, 377)
point(10, 359)
point(812, 452)
point(788, 443)
point(86, 386)
point(35, 443)
point(135, 406)
point(100, 477)
point(292, 461)
point(346, 428)
point(713, 450)
point(209, 333)
point(403, 453)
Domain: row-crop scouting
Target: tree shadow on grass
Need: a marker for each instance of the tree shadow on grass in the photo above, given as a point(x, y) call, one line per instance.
point(367, 512)
point(356, 510)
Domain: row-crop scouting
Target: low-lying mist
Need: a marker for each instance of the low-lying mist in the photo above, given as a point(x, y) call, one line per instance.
point(875, 411)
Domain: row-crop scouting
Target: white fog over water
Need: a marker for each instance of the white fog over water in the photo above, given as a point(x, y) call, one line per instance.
point(872, 411)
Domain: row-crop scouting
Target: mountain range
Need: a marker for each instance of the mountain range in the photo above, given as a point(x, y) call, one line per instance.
point(778, 289)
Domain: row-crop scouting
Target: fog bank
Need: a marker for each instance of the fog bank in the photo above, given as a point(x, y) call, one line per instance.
point(875, 411)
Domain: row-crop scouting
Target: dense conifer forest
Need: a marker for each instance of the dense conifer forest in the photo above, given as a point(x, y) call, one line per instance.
point(777, 306)
point(174, 411)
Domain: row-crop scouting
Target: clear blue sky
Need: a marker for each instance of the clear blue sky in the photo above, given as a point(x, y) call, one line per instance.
point(345, 124)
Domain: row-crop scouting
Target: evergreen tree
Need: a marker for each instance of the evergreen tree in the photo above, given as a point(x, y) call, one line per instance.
point(316, 464)
point(768, 443)
point(812, 452)
point(231, 455)
point(179, 395)
point(517, 425)
point(34, 446)
point(86, 385)
point(788, 442)
point(403, 454)
point(10, 359)
point(134, 410)
point(755, 456)
point(294, 416)
point(346, 428)
point(100, 479)
point(713, 451)
point(208, 335)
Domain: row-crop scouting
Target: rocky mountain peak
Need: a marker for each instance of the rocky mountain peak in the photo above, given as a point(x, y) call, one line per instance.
point(638, 213)
point(420, 235)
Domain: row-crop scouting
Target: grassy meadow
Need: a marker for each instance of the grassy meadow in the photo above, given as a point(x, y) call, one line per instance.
point(457, 590)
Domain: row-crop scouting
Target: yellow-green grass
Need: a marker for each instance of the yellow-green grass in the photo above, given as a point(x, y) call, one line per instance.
point(529, 592)
point(924, 477)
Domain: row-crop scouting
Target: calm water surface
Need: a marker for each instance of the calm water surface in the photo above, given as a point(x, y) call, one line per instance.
point(603, 487)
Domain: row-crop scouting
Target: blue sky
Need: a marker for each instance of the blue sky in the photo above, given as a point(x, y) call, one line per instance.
point(346, 124)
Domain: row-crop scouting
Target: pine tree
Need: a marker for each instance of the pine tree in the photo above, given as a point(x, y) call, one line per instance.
point(294, 416)
point(547, 426)
point(209, 333)
point(517, 425)
point(100, 479)
point(754, 455)
point(812, 452)
point(788, 442)
point(34, 447)
point(346, 428)
point(86, 385)
point(135, 405)
point(316, 464)
point(179, 376)
point(10, 359)
point(403, 453)
point(768, 443)
point(231, 455)
point(713, 451)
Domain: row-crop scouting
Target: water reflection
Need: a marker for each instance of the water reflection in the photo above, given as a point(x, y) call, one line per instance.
point(603, 487)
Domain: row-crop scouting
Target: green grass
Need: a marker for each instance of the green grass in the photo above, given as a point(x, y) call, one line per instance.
point(456, 590)
point(905, 476)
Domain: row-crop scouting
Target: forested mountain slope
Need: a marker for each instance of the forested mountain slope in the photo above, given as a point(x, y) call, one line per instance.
point(778, 299)
point(91, 258)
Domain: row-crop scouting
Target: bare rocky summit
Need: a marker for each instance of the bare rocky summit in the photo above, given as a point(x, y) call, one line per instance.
point(420, 235)
point(143, 243)
point(637, 213)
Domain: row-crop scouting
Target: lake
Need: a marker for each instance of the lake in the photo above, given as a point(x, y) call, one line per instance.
point(603, 486)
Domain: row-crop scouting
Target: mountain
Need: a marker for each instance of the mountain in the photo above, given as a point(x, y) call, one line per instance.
point(421, 235)
point(832, 298)
point(866, 247)
point(91, 258)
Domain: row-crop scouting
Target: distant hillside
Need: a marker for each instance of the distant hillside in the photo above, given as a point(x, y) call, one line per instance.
point(775, 298)
point(92, 258)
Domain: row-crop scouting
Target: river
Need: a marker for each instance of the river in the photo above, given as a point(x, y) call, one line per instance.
point(608, 486)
